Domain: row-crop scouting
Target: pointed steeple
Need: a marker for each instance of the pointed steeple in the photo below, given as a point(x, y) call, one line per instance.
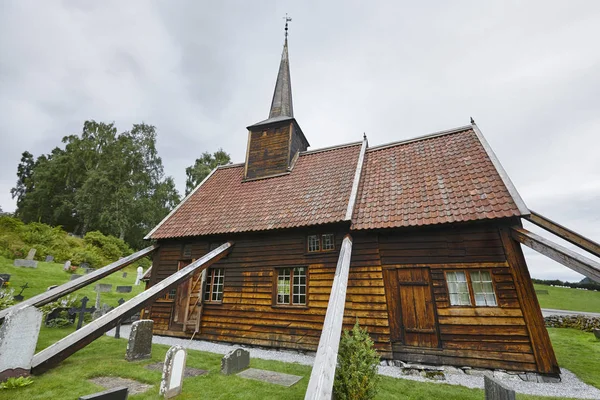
point(282, 106)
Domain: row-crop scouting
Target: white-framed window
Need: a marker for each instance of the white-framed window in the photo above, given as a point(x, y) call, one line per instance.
point(483, 288)
point(213, 288)
point(458, 288)
point(323, 242)
point(291, 286)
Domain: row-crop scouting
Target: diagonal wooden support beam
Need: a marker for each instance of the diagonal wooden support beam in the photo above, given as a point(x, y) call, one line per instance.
point(558, 253)
point(564, 233)
point(62, 349)
point(320, 386)
point(71, 286)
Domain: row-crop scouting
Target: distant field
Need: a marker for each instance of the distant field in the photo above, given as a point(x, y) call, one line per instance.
point(47, 274)
point(569, 299)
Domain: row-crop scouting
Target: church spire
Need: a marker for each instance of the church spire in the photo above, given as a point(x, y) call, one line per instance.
point(282, 106)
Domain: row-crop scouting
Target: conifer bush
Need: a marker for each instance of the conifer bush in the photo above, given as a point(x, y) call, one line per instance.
point(356, 375)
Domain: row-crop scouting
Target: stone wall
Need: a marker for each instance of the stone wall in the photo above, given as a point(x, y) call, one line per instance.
point(580, 322)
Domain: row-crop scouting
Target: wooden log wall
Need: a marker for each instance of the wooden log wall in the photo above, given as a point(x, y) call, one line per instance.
point(268, 151)
point(491, 337)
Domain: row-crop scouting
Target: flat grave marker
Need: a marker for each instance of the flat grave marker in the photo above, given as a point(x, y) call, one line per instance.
point(25, 263)
point(49, 258)
point(171, 383)
point(110, 394)
point(124, 289)
point(276, 378)
point(235, 361)
point(114, 382)
point(18, 338)
point(139, 346)
point(103, 288)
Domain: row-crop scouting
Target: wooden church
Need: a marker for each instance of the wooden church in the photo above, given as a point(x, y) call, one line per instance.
point(434, 276)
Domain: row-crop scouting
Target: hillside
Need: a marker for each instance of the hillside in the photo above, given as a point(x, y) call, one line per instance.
point(568, 299)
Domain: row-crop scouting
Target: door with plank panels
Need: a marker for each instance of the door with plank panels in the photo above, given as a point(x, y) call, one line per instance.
point(412, 312)
point(181, 299)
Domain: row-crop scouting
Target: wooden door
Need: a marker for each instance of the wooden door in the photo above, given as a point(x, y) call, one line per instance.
point(182, 298)
point(412, 312)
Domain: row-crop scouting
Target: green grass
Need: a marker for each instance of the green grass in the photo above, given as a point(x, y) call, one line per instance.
point(579, 352)
point(105, 357)
point(47, 274)
point(569, 299)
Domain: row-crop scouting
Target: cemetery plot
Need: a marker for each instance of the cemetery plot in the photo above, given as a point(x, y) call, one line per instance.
point(276, 378)
point(112, 382)
point(111, 394)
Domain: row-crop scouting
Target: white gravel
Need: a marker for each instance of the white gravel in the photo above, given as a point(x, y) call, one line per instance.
point(570, 386)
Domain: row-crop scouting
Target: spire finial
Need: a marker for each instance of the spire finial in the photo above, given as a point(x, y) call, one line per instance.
point(287, 19)
point(472, 120)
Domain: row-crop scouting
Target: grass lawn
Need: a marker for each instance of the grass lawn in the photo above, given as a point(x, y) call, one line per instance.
point(105, 357)
point(569, 299)
point(47, 274)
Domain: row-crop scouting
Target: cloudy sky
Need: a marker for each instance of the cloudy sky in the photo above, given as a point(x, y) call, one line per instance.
point(202, 71)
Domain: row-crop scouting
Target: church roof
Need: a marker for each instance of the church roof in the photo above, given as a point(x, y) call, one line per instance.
point(446, 177)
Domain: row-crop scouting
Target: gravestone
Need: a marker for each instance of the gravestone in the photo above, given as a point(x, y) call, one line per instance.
point(235, 361)
point(139, 346)
point(75, 276)
point(20, 297)
point(18, 338)
point(173, 372)
point(276, 378)
point(118, 328)
point(597, 333)
point(25, 263)
point(124, 274)
point(81, 311)
point(103, 288)
point(140, 274)
point(494, 390)
point(67, 265)
point(84, 265)
point(31, 254)
point(124, 289)
point(4, 278)
point(49, 258)
point(110, 394)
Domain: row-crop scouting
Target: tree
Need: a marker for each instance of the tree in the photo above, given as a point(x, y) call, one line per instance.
point(203, 166)
point(101, 180)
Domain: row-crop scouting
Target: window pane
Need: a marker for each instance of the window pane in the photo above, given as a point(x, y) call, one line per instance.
point(299, 296)
point(328, 241)
point(458, 288)
point(313, 243)
point(283, 286)
point(483, 288)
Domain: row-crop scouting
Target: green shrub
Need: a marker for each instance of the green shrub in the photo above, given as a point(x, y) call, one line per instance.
point(356, 375)
point(62, 321)
point(7, 298)
point(14, 383)
point(64, 302)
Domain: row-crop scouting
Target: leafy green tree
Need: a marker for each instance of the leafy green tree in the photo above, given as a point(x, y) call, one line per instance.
point(203, 166)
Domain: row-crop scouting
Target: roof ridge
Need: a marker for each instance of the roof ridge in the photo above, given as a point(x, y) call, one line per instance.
point(225, 166)
point(330, 148)
point(420, 138)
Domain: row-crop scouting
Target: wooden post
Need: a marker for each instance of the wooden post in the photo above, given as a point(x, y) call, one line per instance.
point(62, 349)
point(320, 386)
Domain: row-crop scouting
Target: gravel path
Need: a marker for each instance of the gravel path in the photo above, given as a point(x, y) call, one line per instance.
point(570, 385)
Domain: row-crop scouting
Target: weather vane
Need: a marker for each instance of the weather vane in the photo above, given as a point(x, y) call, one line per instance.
point(287, 19)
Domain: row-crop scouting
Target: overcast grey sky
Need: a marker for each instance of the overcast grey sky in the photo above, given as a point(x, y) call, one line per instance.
point(202, 71)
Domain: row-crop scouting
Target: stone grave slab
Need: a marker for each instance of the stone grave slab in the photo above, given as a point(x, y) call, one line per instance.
point(139, 346)
point(31, 254)
point(49, 258)
point(18, 338)
point(25, 263)
point(119, 393)
point(495, 390)
point(189, 372)
point(67, 265)
point(171, 382)
point(235, 361)
point(124, 289)
point(75, 276)
point(276, 378)
point(113, 382)
point(103, 288)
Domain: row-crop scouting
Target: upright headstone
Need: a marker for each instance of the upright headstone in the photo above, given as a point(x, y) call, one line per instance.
point(139, 346)
point(173, 371)
point(31, 254)
point(124, 274)
point(49, 258)
point(18, 338)
point(235, 361)
point(67, 265)
point(118, 327)
point(124, 289)
point(103, 288)
point(119, 393)
point(140, 274)
point(597, 333)
point(494, 390)
point(84, 265)
point(97, 312)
